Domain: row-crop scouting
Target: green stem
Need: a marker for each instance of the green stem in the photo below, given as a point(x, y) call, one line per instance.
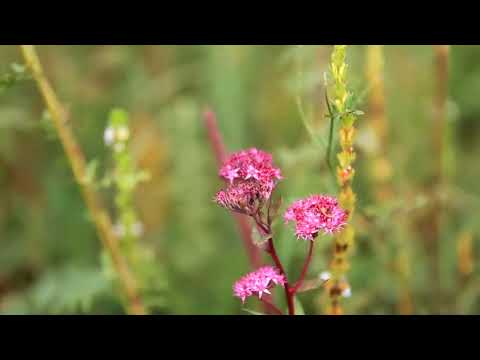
point(330, 135)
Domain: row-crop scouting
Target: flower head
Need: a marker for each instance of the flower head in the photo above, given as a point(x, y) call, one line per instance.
point(252, 164)
point(314, 214)
point(258, 282)
point(245, 197)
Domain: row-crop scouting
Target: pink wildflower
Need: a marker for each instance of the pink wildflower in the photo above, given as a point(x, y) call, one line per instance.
point(258, 282)
point(316, 213)
point(252, 164)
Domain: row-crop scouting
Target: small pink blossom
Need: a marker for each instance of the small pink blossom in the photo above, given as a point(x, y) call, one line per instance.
point(314, 214)
point(252, 172)
point(229, 173)
point(258, 282)
point(252, 164)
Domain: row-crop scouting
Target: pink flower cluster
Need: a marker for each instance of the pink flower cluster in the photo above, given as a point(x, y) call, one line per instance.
point(252, 164)
point(258, 282)
point(244, 197)
point(314, 214)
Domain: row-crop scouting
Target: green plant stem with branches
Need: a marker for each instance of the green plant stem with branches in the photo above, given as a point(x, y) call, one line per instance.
point(341, 109)
point(78, 164)
point(124, 179)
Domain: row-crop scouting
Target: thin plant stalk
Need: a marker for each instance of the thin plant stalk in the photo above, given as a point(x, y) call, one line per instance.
point(465, 256)
point(440, 107)
point(377, 122)
point(290, 290)
point(78, 164)
point(345, 173)
point(270, 249)
point(306, 265)
point(441, 65)
point(289, 295)
point(441, 56)
point(381, 168)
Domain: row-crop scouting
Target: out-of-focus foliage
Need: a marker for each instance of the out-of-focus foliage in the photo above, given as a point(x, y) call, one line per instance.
point(270, 97)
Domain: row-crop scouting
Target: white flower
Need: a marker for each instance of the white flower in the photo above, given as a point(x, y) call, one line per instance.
point(347, 292)
point(325, 276)
point(109, 136)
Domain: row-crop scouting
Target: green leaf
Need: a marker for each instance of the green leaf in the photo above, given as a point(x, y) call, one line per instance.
point(15, 74)
point(17, 68)
point(65, 290)
point(252, 311)
point(258, 239)
point(274, 208)
point(47, 125)
point(298, 307)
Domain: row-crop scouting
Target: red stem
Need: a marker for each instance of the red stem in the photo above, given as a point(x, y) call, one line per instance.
point(308, 259)
point(288, 294)
point(221, 154)
point(267, 231)
point(215, 137)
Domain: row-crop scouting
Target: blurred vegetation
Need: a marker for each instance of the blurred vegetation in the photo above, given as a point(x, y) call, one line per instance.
point(270, 97)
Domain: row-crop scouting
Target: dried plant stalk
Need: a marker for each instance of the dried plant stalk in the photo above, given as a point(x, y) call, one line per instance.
point(378, 124)
point(441, 64)
point(77, 162)
point(380, 166)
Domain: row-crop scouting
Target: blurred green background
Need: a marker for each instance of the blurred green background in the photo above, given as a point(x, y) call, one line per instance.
point(49, 252)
